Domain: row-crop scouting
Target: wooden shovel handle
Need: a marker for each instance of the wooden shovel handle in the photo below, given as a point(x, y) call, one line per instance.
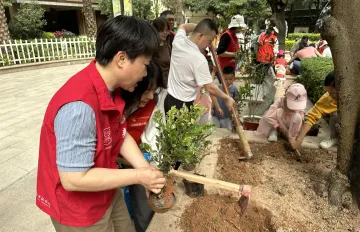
point(239, 128)
point(207, 181)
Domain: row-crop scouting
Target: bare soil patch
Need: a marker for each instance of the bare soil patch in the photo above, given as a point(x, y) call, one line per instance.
point(287, 195)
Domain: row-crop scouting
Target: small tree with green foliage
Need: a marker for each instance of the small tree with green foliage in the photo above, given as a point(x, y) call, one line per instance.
point(28, 22)
point(142, 9)
point(181, 138)
point(106, 7)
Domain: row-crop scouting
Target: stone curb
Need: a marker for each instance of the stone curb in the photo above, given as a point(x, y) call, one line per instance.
point(46, 64)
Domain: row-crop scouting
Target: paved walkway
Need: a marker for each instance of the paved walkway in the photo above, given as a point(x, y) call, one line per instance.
point(23, 99)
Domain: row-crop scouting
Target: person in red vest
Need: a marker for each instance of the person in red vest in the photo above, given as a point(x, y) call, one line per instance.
point(84, 130)
point(229, 43)
point(268, 46)
point(140, 105)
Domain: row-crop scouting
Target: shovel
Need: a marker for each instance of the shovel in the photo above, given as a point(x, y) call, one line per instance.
point(243, 190)
point(239, 128)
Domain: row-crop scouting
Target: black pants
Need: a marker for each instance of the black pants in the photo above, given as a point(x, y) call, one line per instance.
point(169, 102)
point(142, 213)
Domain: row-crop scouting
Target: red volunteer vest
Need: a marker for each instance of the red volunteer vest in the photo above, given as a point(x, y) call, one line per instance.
point(321, 50)
point(137, 121)
point(265, 53)
point(233, 47)
point(80, 208)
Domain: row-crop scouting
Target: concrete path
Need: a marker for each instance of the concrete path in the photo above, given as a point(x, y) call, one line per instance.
point(23, 100)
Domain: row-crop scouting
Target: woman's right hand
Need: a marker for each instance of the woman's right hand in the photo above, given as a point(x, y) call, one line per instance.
point(151, 178)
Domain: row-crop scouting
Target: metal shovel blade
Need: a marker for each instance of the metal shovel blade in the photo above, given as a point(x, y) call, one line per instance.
point(243, 204)
point(245, 191)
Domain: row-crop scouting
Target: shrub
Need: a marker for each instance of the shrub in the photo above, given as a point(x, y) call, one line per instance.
point(289, 44)
point(28, 21)
point(313, 72)
point(48, 35)
point(181, 138)
point(296, 36)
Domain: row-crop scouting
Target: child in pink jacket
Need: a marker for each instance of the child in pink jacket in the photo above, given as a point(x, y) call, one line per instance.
point(285, 115)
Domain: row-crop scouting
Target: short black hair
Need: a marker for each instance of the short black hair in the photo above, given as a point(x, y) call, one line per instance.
point(166, 13)
point(206, 25)
point(153, 80)
point(330, 79)
point(132, 35)
point(305, 37)
point(228, 70)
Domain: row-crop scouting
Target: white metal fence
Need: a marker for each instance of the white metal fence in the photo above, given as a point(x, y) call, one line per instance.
point(39, 50)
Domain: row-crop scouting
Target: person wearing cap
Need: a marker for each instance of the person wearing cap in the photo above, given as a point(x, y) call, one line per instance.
point(326, 50)
point(326, 105)
point(285, 115)
point(268, 46)
point(229, 42)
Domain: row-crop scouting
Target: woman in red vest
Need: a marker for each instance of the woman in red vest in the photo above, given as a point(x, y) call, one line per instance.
point(268, 46)
point(229, 43)
point(139, 107)
point(84, 130)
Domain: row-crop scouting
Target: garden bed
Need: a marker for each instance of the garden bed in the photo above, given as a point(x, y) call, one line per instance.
point(287, 195)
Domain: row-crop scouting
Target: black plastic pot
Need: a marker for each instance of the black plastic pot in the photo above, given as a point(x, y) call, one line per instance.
point(193, 189)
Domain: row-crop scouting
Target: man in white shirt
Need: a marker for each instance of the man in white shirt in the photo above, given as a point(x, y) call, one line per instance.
point(189, 67)
point(327, 51)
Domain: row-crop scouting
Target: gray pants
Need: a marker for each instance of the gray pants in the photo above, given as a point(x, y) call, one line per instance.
point(222, 123)
point(333, 124)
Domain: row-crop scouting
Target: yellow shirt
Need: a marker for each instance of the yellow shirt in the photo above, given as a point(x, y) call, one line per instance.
point(324, 106)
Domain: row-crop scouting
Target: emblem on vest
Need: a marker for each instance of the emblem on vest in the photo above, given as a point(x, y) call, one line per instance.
point(124, 132)
point(107, 138)
point(123, 119)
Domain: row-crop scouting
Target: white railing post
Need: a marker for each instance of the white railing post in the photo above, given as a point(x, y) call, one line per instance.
point(47, 48)
point(52, 48)
point(22, 50)
point(42, 49)
point(57, 49)
point(17, 52)
point(38, 50)
point(12, 52)
point(27, 50)
point(87, 47)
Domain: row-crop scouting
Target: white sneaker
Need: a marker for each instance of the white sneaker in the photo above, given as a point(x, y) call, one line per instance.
point(328, 143)
point(273, 137)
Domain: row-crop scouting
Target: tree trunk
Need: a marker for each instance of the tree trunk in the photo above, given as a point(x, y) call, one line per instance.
point(280, 24)
point(4, 31)
point(90, 21)
point(342, 31)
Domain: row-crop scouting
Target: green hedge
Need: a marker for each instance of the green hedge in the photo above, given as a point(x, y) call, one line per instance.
point(313, 72)
point(296, 36)
point(289, 44)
